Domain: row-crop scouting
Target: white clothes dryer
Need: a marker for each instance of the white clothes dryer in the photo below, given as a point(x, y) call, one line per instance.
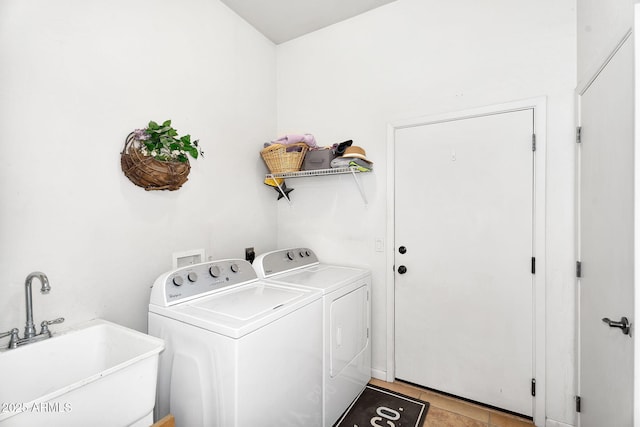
point(240, 352)
point(346, 320)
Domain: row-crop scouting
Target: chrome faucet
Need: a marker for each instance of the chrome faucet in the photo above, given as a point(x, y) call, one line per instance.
point(30, 334)
point(30, 328)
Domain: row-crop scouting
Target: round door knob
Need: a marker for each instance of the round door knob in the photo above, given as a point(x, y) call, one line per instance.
point(402, 249)
point(235, 268)
point(192, 277)
point(178, 280)
point(402, 269)
point(214, 271)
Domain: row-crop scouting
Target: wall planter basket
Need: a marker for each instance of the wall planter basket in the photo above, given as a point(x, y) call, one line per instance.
point(149, 173)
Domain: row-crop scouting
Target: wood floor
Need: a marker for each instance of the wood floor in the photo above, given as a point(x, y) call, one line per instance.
point(445, 411)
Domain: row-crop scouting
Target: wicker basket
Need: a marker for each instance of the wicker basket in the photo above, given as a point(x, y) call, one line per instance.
point(278, 159)
point(149, 173)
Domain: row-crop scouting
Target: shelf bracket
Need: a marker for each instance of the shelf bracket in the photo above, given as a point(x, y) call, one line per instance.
point(359, 184)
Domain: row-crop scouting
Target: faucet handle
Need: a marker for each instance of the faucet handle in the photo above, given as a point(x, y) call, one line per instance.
point(44, 326)
point(14, 337)
point(11, 332)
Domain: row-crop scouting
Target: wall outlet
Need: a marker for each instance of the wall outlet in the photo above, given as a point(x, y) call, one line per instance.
point(249, 254)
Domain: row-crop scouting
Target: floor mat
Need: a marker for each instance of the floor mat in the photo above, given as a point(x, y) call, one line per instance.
point(377, 406)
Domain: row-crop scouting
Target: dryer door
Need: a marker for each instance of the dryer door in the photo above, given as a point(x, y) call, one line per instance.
point(349, 329)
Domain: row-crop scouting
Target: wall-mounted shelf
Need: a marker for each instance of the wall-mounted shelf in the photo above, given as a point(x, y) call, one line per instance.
point(320, 172)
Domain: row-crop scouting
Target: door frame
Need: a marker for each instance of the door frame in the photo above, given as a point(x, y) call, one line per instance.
point(539, 106)
point(581, 88)
point(636, 237)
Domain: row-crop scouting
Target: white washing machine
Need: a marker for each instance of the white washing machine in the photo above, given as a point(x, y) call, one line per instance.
point(346, 320)
point(240, 352)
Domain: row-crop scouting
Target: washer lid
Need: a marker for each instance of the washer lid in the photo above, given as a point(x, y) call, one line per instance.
point(326, 278)
point(248, 302)
point(240, 310)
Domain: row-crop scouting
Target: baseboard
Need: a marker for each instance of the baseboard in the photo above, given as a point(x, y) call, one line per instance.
point(552, 423)
point(379, 374)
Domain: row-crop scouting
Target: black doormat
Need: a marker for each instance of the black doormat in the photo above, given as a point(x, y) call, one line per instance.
point(379, 406)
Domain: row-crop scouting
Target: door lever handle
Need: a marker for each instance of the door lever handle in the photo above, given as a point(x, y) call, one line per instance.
point(622, 324)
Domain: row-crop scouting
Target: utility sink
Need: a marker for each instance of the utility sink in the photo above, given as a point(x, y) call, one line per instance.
point(96, 374)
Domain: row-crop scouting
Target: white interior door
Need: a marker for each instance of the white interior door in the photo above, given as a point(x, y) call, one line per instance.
point(606, 239)
point(464, 247)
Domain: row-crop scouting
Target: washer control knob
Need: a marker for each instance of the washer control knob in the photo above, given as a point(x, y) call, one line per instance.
point(302, 254)
point(291, 255)
point(214, 271)
point(192, 276)
point(307, 253)
point(178, 280)
point(235, 268)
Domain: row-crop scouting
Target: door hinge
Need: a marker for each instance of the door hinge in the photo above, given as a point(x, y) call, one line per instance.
point(578, 269)
point(578, 403)
point(533, 142)
point(533, 265)
point(533, 386)
point(578, 134)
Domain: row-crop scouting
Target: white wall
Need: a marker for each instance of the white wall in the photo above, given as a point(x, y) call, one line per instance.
point(601, 26)
point(76, 77)
point(413, 58)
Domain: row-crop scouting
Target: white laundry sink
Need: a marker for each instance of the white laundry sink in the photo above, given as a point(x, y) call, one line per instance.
point(96, 374)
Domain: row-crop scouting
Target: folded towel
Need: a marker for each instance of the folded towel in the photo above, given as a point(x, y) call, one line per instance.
point(343, 162)
point(355, 164)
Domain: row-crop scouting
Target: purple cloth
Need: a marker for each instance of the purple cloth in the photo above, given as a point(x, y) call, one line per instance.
point(295, 138)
